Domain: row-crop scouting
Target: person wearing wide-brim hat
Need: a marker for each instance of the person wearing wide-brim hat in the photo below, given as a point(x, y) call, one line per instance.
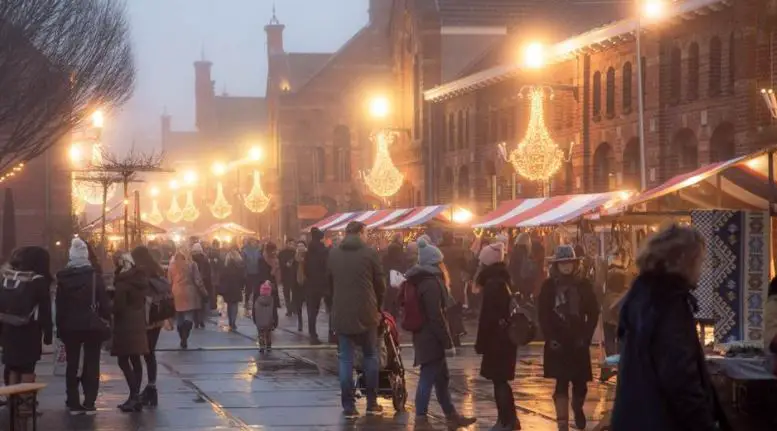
point(568, 313)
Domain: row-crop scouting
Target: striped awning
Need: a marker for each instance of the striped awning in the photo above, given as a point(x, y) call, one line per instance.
point(333, 220)
point(554, 210)
point(418, 216)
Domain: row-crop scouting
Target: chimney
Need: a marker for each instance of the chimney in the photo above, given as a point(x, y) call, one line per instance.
point(274, 31)
point(203, 93)
point(165, 122)
point(380, 11)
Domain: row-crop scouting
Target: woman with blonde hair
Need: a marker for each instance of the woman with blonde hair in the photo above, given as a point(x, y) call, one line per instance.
point(188, 291)
point(663, 382)
point(233, 280)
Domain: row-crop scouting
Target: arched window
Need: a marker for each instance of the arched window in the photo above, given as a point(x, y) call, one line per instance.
point(716, 57)
point(610, 92)
point(597, 96)
point(446, 188)
point(460, 130)
point(451, 132)
point(342, 153)
point(627, 96)
point(675, 74)
point(604, 167)
point(319, 155)
point(693, 71)
point(732, 62)
point(463, 183)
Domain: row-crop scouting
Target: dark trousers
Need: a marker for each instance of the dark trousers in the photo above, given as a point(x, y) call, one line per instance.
point(287, 296)
point(611, 346)
point(132, 369)
point(90, 375)
point(252, 285)
point(505, 402)
point(150, 358)
point(314, 306)
point(579, 392)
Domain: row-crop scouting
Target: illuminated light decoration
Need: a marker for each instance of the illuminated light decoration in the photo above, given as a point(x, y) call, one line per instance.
point(537, 157)
point(220, 208)
point(384, 179)
point(174, 214)
point(771, 101)
point(78, 204)
point(190, 212)
point(155, 216)
point(91, 192)
point(257, 201)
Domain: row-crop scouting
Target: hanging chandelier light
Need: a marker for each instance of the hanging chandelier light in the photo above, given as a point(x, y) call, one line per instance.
point(155, 216)
point(257, 201)
point(190, 212)
point(220, 208)
point(174, 214)
point(537, 157)
point(771, 101)
point(91, 191)
point(384, 179)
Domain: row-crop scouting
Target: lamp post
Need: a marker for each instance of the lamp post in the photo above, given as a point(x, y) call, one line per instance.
point(651, 9)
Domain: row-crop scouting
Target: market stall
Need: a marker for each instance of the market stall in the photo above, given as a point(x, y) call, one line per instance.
point(227, 233)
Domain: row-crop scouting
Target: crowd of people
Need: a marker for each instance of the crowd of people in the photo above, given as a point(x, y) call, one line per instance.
point(663, 382)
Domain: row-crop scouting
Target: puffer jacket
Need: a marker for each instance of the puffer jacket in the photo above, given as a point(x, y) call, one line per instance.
point(434, 338)
point(74, 300)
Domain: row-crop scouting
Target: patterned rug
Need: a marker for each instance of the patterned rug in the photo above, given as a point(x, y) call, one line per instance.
point(735, 276)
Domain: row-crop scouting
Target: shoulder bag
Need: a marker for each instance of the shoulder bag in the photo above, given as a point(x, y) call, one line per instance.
point(97, 324)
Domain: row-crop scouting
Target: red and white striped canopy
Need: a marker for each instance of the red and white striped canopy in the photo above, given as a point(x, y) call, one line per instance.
point(374, 218)
point(554, 210)
point(418, 216)
point(333, 220)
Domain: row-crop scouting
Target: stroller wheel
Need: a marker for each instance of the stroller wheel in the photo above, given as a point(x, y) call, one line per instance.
point(398, 394)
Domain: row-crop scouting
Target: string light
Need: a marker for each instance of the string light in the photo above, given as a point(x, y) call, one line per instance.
point(537, 157)
point(384, 179)
point(190, 212)
point(174, 214)
point(220, 208)
point(257, 201)
point(155, 216)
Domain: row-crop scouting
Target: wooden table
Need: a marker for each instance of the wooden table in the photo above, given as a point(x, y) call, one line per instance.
point(14, 393)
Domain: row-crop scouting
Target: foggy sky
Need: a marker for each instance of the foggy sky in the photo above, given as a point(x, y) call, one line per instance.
point(169, 35)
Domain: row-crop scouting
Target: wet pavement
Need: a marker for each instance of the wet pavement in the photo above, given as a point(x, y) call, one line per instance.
point(223, 382)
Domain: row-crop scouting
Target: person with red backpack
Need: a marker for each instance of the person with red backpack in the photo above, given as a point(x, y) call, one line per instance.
point(425, 298)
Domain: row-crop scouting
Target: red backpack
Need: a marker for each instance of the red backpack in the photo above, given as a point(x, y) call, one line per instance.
point(412, 316)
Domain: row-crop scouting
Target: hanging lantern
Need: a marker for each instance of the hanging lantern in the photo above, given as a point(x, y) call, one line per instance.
point(384, 179)
point(174, 214)
point(537, 157)
point(220, 208)
point(257, 201)
point(155, 216)
point(190, 212)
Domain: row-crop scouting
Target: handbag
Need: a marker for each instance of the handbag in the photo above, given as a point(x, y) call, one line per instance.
point(96, 323)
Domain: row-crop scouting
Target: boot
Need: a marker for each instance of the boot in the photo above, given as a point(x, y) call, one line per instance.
point(149, 396)
point(184, 330)
point(577, 411)
point(132, 404)
point(562, 412)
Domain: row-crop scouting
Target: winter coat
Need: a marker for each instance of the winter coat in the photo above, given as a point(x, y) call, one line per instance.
point(74, 301)
point(316, 267)
point(22, 344)
point(188, 289)
point(434, 338)
point(770, 325)
point(572, 360)
point(233, 280)
point(203, 265)
point(286, 260)
point(663, 382)
point(264, 314)
point(493, 341)
point(129, 313)
point(615, 287)
point(523, 282)
point(358, 283)
point(455, 258)
point(252, 256)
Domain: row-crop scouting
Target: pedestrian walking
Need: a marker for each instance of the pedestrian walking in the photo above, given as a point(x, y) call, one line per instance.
point(265, 313)
point(493, 341)
point(315, 280)
point(188, 292)
point(269, 271)
point(251, 256)
point(394, 260)
point(159, 311)
point(568, 315)
point(615, 287)
point(233, 280)
point(288, 275)
point(81, 298)
point(216, 259)
point(663, 381)
point(434, 339)
point(203, 265)
point(25, 313)
point(358, 284)
point(129, 327)
point(298, 282)
point(523, 269)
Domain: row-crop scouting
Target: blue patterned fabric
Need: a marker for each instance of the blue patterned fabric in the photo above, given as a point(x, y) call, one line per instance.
point(735, 277)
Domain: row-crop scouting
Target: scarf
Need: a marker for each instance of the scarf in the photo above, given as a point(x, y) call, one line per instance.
point(567, 301)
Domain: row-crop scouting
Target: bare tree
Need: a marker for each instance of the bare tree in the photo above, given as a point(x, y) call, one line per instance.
point(105, 180)
point(60, 60)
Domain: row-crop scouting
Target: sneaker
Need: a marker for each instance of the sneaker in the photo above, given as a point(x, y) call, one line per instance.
point(458, 421)
point(90, 410)
point(376, 410)
point(351, 413)
point(76, 410)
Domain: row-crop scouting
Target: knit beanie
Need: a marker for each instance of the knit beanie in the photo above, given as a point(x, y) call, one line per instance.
point(79, 254)
point(492, 254)
point(428, 254)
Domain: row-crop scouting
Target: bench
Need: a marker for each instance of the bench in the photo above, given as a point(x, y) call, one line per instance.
point(14, 394)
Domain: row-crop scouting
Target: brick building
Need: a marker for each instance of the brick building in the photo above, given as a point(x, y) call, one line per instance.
point(703, 66)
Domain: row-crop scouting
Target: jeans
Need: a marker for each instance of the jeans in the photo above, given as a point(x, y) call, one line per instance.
point(505, 403)
point(90, 375)
point(368, 342)
point(232, 308)
point(434, 375)
point(153, 336)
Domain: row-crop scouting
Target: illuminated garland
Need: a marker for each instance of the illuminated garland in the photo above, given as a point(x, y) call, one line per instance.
point(257, 201)
point(220, 208)
point(537, 157)
point(155, 216)
point(174, 214)
point(190, 212)
point(384, 179)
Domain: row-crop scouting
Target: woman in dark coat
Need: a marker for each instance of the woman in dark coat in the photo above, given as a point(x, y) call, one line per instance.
point(233, 281)
point(663, 382)
point(203, 265)
point(493, 342)
point(568, 315)
point(269, 270)
point(130, 341)
point(394, 260)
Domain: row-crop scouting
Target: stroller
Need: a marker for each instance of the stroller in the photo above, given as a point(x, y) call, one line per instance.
point(391, 374)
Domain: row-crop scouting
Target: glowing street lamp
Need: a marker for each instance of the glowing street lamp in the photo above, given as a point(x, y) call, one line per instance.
point(98, 119)
point(380, 107)
point(653, 9)
point(189, 178)
point(255, 154)
point(219, 169)
point(534, 56)
point(76, 155)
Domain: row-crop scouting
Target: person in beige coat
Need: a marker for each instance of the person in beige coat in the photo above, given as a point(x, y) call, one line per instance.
point(770, 325)
point(188, 291)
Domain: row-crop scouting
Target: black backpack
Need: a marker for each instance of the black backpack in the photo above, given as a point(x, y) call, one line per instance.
point(520, 326)
point(18, 302)
point(162, 304)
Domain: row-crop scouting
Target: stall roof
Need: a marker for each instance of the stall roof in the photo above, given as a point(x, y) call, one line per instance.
point(375, 218)
point(114, 224)
point(536, 212)
point(418, 216)
point(333, 220)
point(229, 227)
